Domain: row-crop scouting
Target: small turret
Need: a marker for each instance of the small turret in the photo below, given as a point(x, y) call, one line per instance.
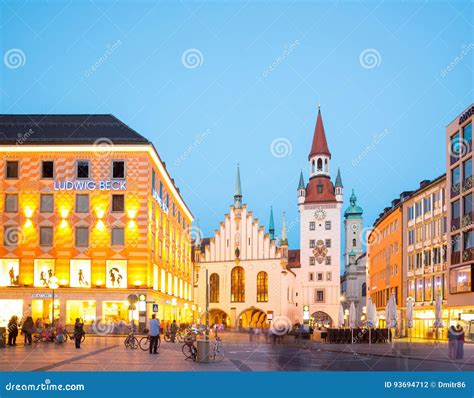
point(301, 190)
point(338, 187)
point(238, 190)
point(284, 243)
point(271, 227)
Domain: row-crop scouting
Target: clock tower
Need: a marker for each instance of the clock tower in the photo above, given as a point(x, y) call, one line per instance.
point(319, 204)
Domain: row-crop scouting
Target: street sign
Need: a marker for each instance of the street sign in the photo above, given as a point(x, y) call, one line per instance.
point(270, 315)
point(155, 307)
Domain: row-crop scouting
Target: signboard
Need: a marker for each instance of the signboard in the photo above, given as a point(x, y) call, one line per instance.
point(306, 315)
point(162, 204)
point(270, 315)
point(43, 296)
point(89, 185)
point(155, 308)
point(466, 115)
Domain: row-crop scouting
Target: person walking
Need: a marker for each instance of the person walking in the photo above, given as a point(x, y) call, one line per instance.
point(12, 330)
point(452, 342)
point(27, 330)
point(174, 330)
point(460, 350)
point(154, 333)
point(78, 332)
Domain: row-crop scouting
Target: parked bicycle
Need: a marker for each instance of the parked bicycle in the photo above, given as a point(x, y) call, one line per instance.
point(144, 342)
point(189, 349)
point(179, 337)
point(217, 353)
point(131, 341)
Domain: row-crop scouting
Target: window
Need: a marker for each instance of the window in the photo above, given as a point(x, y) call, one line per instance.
point(47, 169)
point(320, 276)
point(12, 169)
point(214, 288)
point(467, 206)
point(11, 203)
point(455, 181)
point(320, 164)
point(262, 287)
point(310, 277)
point(354, 242)
point(427, 205)
point(460, 279)
point(118, 203)
point(46, 236)
point(311, 243)
point(328, 260)
point(312, 225)
point(327, 225)
point(410, 213)
point(82, 170)
point(80, 273)
point(11, 235)
point(118, 169)
point(118, 236)
point(116, 274)
point(82, 236)
point(319, 296)
point(455, 147)
point(364, 289)
point(467, 170)
point(46, 203)
point(419, 290)
point(82, 203)
point(320, 187)
point(328, 243)
point(418, 208)
point(312, 261)
point(329, 276)
point(44, 270)
point(467, 136)
point(237, 285)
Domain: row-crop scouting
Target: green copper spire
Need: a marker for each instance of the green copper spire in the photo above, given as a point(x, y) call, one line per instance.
point(284, 234)
point(271, 228)
point(353, 211)
point(238, 190)
point(301, 184)
point(339, 180)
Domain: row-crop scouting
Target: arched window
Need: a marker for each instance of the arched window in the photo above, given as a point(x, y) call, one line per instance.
point(364, 289)
point(312, 166)
point(214, 288)
point(354, 243)
point(262, 287)
point(237, 290)
point(320, 164)
point(326, 169)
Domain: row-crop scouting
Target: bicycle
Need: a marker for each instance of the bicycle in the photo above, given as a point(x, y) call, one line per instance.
point(144, 342)
point(189, 349)
point(217, 354)
point(131, 341)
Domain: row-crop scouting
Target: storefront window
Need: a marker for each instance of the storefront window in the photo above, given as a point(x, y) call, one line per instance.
point(116, 271)
point(419, 290)
point(115, 311)
point(84, 310)
point(43, 309)
point(411, 288)
point(460, 279)
point(429, 289)
point(438, 286)
point(10, 308)
point(80, 273)
point(9, 272)
point(44, 271)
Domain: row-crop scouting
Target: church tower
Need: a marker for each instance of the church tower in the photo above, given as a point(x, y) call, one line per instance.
point(353, 229)
point(320, 206)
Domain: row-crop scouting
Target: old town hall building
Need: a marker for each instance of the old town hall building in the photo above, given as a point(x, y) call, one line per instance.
point(255, 279)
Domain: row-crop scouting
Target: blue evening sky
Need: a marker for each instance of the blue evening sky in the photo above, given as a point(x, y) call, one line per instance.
point(389, 77)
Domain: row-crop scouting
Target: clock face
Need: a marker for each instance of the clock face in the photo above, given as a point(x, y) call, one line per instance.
point(320, 214)
point(354, 227)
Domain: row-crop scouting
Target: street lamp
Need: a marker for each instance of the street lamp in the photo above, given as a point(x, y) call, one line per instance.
point(53, 285)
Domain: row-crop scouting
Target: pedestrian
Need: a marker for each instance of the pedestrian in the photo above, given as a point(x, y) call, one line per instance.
point(78, 332)
point(12, 330)
point(27, 330)
point(154, 334)
point(174, 329)
point(452, 342)
point(460, 350)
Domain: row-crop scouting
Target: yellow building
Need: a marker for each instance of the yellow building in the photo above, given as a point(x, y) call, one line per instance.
point(87, 202)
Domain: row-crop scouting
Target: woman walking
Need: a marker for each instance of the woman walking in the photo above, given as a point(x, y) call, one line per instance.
point(12, 330)
point(27, 330)
point(453, 342)
point(78, 332)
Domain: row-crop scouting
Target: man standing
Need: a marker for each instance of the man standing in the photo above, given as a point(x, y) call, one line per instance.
point(154, 333)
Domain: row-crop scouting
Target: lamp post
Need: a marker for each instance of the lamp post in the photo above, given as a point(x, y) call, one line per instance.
point(53, 285)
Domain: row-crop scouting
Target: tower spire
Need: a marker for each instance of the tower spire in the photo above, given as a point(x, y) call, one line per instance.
point(320, 145)
point(339, 180)
point(238, 190)
point(301, 183)
point(271, 228)
point(284, 232)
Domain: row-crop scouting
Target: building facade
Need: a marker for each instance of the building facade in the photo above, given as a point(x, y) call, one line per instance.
point(459, 156)
point(425, 254)
point(88, 209)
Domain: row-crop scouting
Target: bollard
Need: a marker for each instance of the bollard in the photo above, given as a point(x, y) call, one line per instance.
point(202, 351)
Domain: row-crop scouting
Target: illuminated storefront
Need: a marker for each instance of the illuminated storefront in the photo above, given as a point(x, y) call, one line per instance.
point(105, 221)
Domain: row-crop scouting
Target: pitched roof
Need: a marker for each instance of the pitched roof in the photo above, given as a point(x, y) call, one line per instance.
point(66, 129)
point(320, 145)
point(325, 192)
point(294, 259)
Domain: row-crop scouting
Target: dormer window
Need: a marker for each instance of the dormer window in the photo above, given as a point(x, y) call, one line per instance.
point(320, 187)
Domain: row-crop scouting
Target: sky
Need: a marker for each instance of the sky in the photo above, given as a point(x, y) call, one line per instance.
point(213, 84)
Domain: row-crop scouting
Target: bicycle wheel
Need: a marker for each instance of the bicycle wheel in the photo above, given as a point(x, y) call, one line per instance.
point(188, 351)
point(167, 338)
point(145, 343)
point(218, 355)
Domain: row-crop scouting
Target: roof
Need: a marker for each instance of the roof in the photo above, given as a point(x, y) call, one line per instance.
point(338, 183)
point(326, 194)
point(67, 129)
point(320, 145)
point(353, 211)
point(294, 259)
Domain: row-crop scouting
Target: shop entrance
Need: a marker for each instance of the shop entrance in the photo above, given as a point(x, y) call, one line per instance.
point(253, 318)
point(43, 309)
point(9, 309)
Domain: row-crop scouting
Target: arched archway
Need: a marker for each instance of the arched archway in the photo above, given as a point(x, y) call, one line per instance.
point(252, 318)
point(320, 318)
point(217, 316)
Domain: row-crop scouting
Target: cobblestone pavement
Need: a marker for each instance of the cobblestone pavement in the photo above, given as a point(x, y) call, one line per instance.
point(109, 354)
